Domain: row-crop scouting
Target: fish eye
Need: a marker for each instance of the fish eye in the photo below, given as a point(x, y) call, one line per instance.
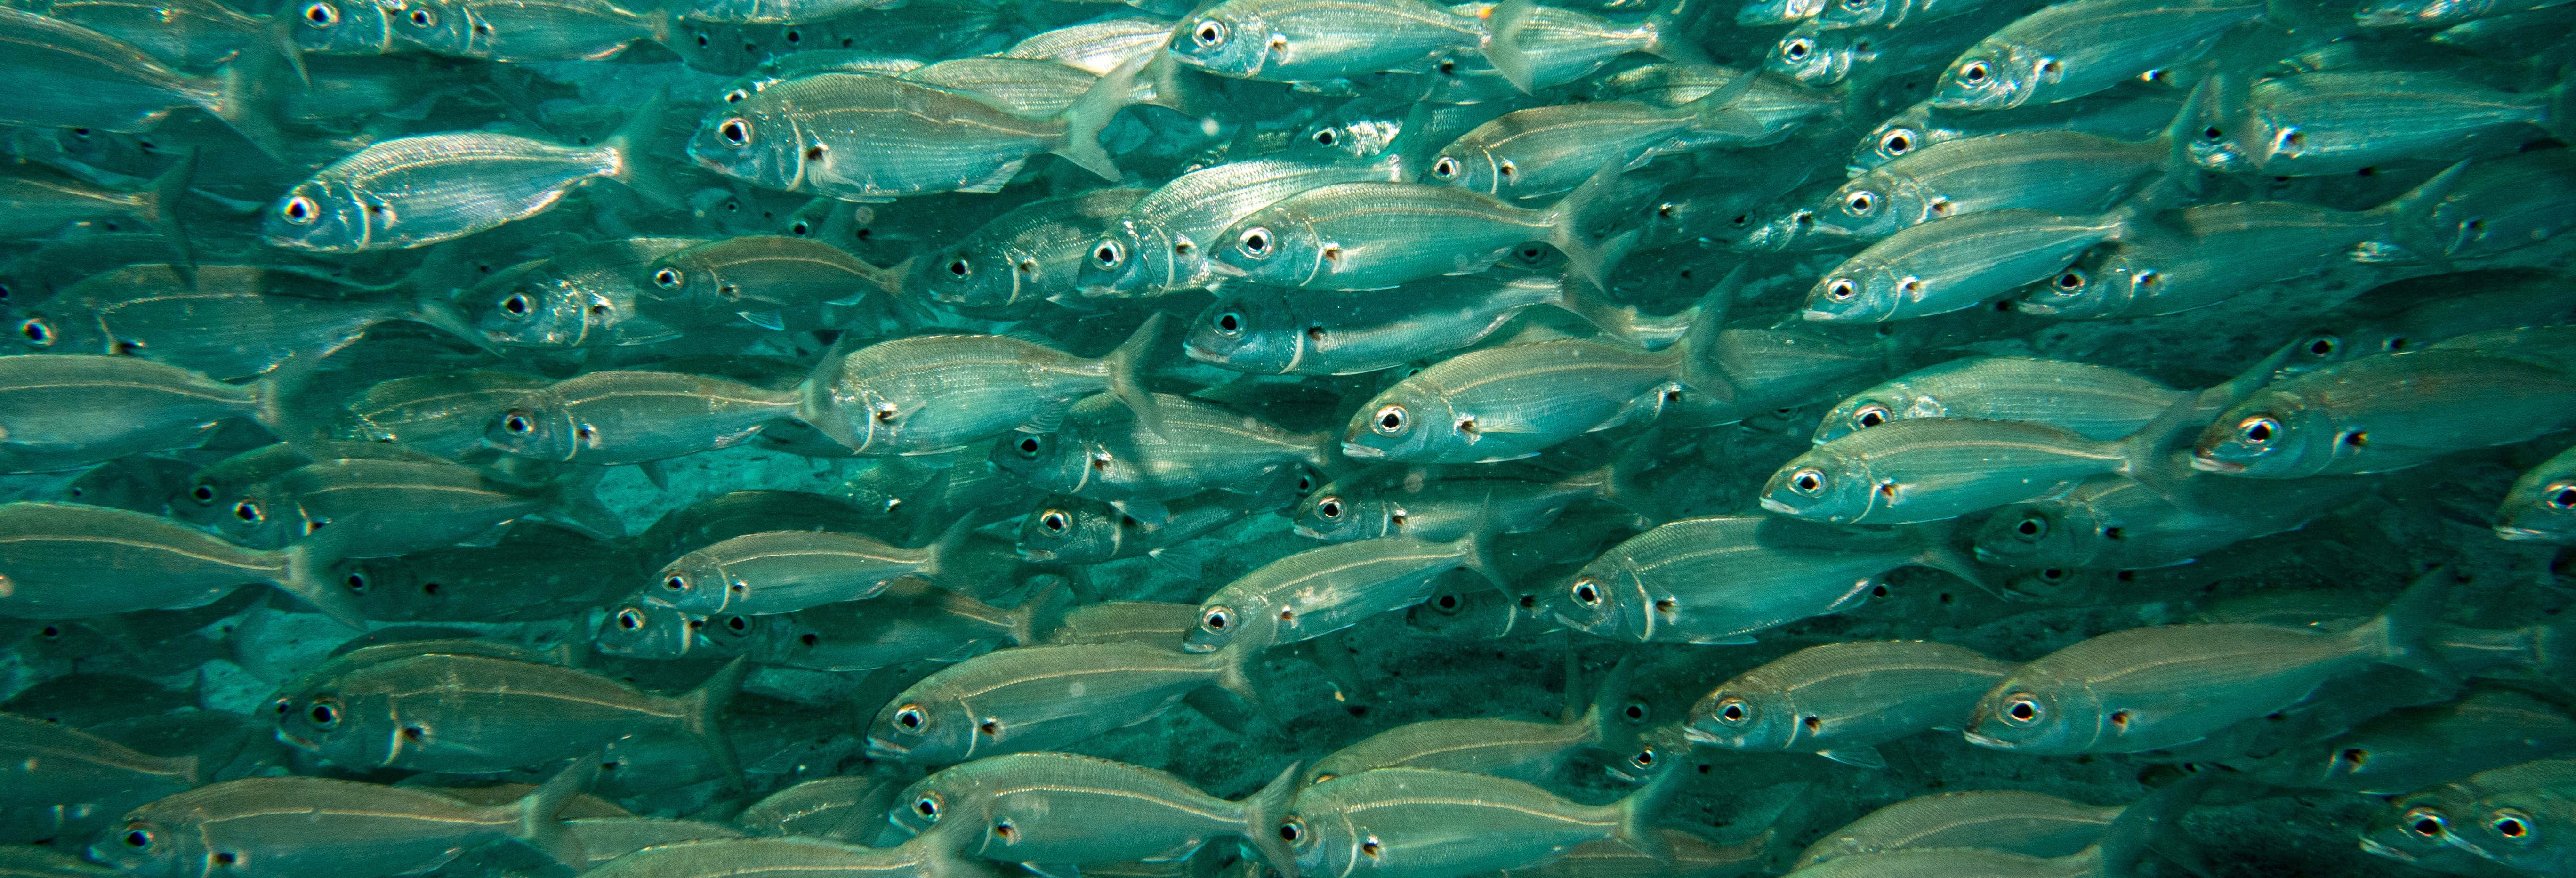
point(1841, 289)
point(1215, 620)
point(248, 512)
point(1255, 242)
point(2323, 346)
point(958, 267)
point(2213, 133)
point(321, 15)
point(356, 582)
point(737, 624)
point(927, 807)
point(1330, 508)
point(1587, 591)
point(325, 712)
point(1897, 142)
point(36, 332)
point(1807, 482)
point(1209, 34)
point(1326, 137)
point(2258, 430)
point(1029, 446)
point(1797, 49)
point(910, 717)
point(628, 619)
point(735, 131)
point(2071, 280)
point(517, 423)
point(516, 305)
point(1108, 254)
point(2510, 825)
point(1732, 710)
point(137, 837)
point(1389, 421)
point(1870, 415)
point(2560, 496)
point(203, 494)
point(668, 278)
point(1446, 168)
point(1861, 203)
point(423, 18)
point(2021, 710)
point(1292, 829)
point(2426, 823)
point(736, 96)
point(300, 211)
point(1229, 323)
point(1054, 521)
point(675, 583)
point(1974, 74)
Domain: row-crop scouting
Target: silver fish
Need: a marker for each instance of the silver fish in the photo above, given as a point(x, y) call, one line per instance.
point(2385, 412)
point(1103, 452)
point(1409, 501)
point(1322, 590)
point(1048, 808)
point(1266, 330)
point(2413, 748)
point(583, 297)
point(1043, 697)
point(1307, 41)
point(1517, 749)
point(2116, 523)
point(2338, 121)
point(499, 30)
point(266, 826)
point(2541, 506)
point(1031, 254)
point(59, 74)
point(618, 417)
point(1841, 700)
point(1721, 579)
point(933, 393)
point(1538, 46)
point(2063, 172)
point(1416, 822)
point(1165, 243)
point(65, 411)
point(785, 571)
point(2129, 113)
point(2023, 822)
point(2096, 402)
point(2070, 50)
point(1097, 47)
point(444, 414)
point(465, 714)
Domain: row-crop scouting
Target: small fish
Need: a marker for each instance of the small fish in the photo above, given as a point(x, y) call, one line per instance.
point(2063, 172)
point(620, 417)
point(2128, 835)
point(2115, 523)
point(2385, 412)
point(388, 507)
point(160, 312)
point(1526, 751)
point(932, 393)
point(1407, 501)
point(54, 555)
point(1038, 87)
point(1031, 254)
point(785, 571)
point(2148, 689)
point(1167, 242)
point(862, 137)
point(1103, 452)
point(66, 411)
point(2083, 47)
point(583, 297)
point(2096, 402)
point(1073, 530)
point(47, 764)
point(1893, 13)
point(194, 35)
point(516, 30)
point(758, 275)
point(274, 827)
point(1538, 46)
point(38, 202)
point(1273, 331)
point(1042, 698)
point(2314, 123)
point(1931, 469)
point(781, 11)
point(1154, 623)
point(1096, 47)
point(2509, 817)
point(2541, 505)
point(465, 713)
point(1049, 809)
point(1423, 823)
point(1720, 579)
point(2130, 113)
point(929, 856)
point(910, 622)
point(214, 488)
point(443, 414)
point(1766, 13)
point(2023, 822)
point(1692, 857)
point(1841, 700)
point(60, 74)
point(1309, 41)
point(823, 807)
point(1323, 590)
point(2413, 748)
point(2498, 206)
point(2408, 314)
point(417, 191)
point(1940, 267)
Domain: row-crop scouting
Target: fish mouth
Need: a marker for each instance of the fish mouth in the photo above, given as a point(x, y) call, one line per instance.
point(1356, 450)
point(1771, 505)
point(1307, 532)
point(1201, 355)
point(1037, 554)
point(879, 748)
point(2519, 534)
point(2214, 465)
point(2375, 846)
point(1988, 741)
point(1695, 736)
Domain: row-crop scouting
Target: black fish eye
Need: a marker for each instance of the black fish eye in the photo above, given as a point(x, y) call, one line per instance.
point(737, 624)
point(676, 582)
point(736, 96)
point(203, 493)
point(1842, 289)
point(958, 267)
point(927, 807)
point(668, 278)
point(1216, 619)
point(324, 713)
point(321, 15)
point(1029, 446)
point(248, 511)
point(1210, 34)
point(1870, 415)
point(1255, 242)
point(2510, 826)
point(1291, 829)
point(1054, 521)
point(1587, 591)
point(138, 839)
point(736, 132)
point(1446, 168)
point(1808, 482)
point(357, 582)
point(628, 619)
point(1329, 507)
point(2427, 823)
point(36, 332)
point(2032, 526)
point(2258, 430)
point(909, 717)
point(300, 211)
point(2021, 710)
point(1389, 421)
point(1108, 254)
point(2561, 496)
point(2324, 346)
point(1730, 710)
point(1896, 142)
point(1974, 73)
point(2212, 133)
point(1325, 137)
point(1230, 323)
point(1797, 49)
point(516, 305)
point(423, 18)
point(517, 422)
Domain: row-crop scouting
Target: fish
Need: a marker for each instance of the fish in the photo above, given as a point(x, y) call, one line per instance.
point(1541, 151)
point(2146, 689)
point(1411, 819)
point(2084, 47)
point(66, 411)
point(757, 275)
point(1720, 579)
point(51, 765)
point(1326, 589)
point(1043, 87)
point(63, 75)
point(41, 201)
point(1406, 501)
point(2096, 402)
point(1155, 623)
point(417, 191)
point(2495, 816)
point(633, 417)
point(785, 571)
point(1031, 254)
point(2116, 523)
point(2137, 112)
point(438, 712)
point(1272, 331)
point(2541, 505)
point(214, 488)
point(442, 414)
point(1932, 469)
point(2394, 317)
point(1048, 808)
point(823, 808)
point(1309, 41)
point(781, 11)
point(584, 296)
point(1538, 46)
point(516, 31)
point(1533, 752)
point(158, 312)
point(929, 857)
point(262, 825)
point(1841, 700)
point(2306, 124)
point(1074, 530)
point(54, 553)
point(862, 137)
point(1102, 451)
point(1767, 13)
point(2148, 825)
point(1166, 242)
point(1096, 47)
point(1035, 698)
point(2346, 419)
point(1939, 267)
point(533, 572)
point(389, 507)
point(2495, 207)
point(877, 399)
point(912, 621)
point(2023, 822)
point(2412, 748)
point(1892, 13)
point(2063, 172)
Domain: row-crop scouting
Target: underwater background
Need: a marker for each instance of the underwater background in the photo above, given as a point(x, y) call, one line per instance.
point(963, 438)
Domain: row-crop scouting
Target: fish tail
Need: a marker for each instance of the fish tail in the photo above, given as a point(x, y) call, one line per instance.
point(161, 211)
point(1663, 40)
point(1476, 549)
point(1127, 366)
point(1943, 554)
point(1606, 715)
point(1638, 811)
point(250, 92)
point(1503, 48)
point(1697, 351)
point(702, 714)
point(1593, 205)
point(1232, 664)
point(1619, 320)
point(1261, 813)
point(1178, 87)
point(536, 813)
point(278, 391)
point(633, 169)
point(308, 576)
point(2153, 823)
point(1042, 613)
point(2561, 119)
point(574, 500)
point(943, 553)
point(2401, 634)
point(2410, 217)
point(1091, 113)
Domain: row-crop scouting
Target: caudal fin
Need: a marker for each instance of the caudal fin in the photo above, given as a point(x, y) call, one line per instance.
point(1090, 115)
point(1612, 729)
point(1042, 612)
point(1590, 207)
point(632, 142)
point(943, 553)
point(2152, 824)
point(535, 815)
point(1261, 815)
point(252, 90)
point(161, 210)
point(308, 576)
point(1664, 40)
point(2400, 634)
point(1127, 366)
point(1697, 351)
point(702, 715)
point(1503, 48)
point(1638, 811)
point(2410, 220)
